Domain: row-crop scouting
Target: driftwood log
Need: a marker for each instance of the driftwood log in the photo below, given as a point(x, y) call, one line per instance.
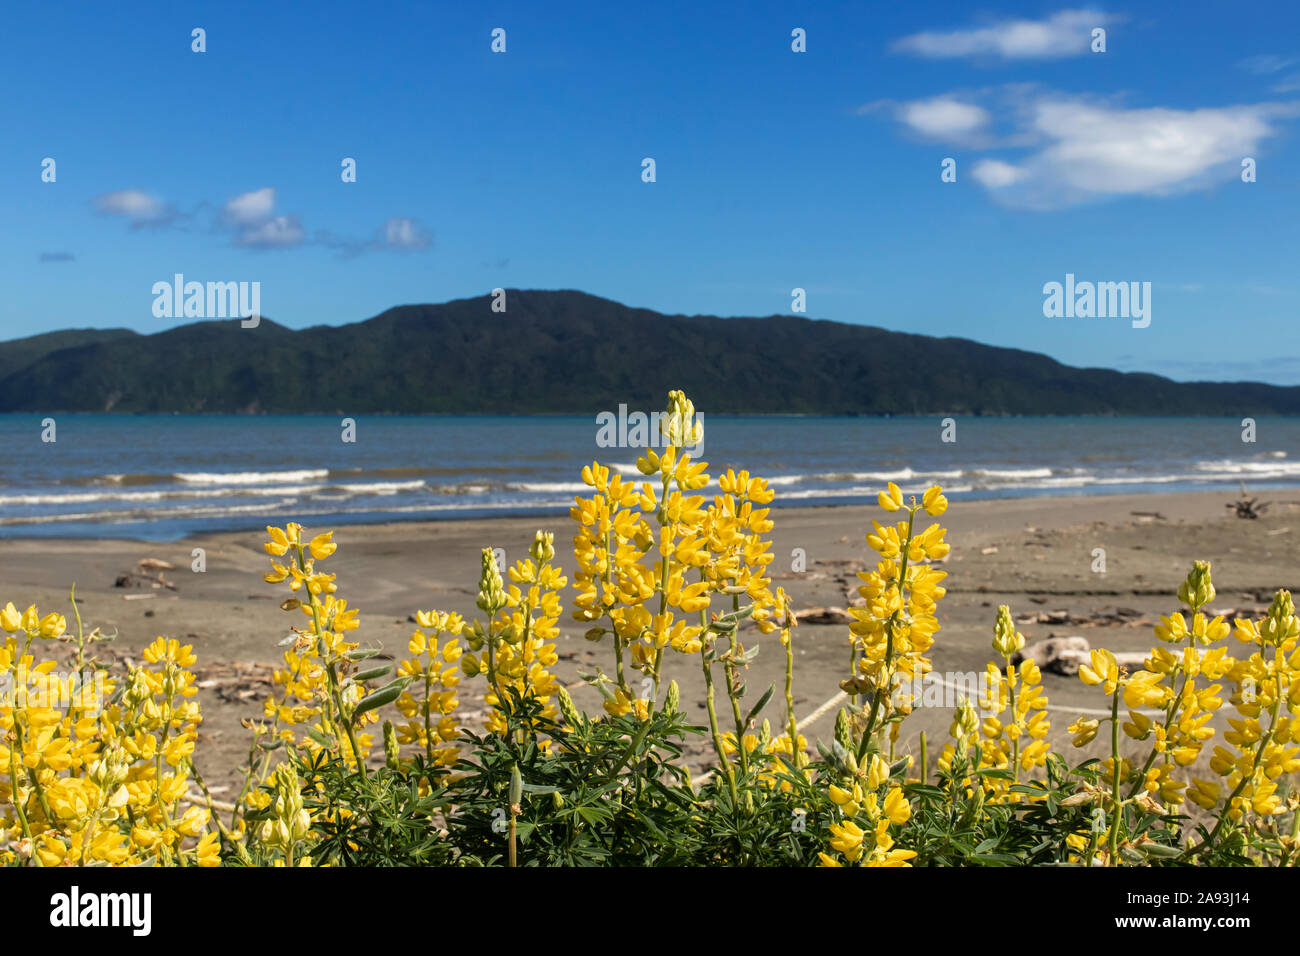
point(1247, 507)
point(1063, 655)
point(148, 573)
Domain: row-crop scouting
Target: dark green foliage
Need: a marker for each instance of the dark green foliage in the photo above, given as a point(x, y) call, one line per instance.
point(605, 794)
point(568, 352)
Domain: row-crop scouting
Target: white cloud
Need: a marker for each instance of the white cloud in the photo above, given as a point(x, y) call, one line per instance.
point(249, 209)
point(141, 208)
point(276, 233)
point(1074, 149)
point(1066, 33)
point(1097, 150)
point(402, 233)
point(943, 117)
point(995, 174)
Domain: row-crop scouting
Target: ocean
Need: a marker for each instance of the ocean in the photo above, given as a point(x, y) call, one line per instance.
point(162, 477)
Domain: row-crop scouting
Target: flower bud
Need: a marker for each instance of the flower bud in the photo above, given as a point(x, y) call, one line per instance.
point(569, 709)
point(1197, 591)
point(516, 785)
point(491, 595)
point(392, 750)
point(1006, 640)
point(1280, 624)
point(843, 734)
point(673, 699)
point(543, 548)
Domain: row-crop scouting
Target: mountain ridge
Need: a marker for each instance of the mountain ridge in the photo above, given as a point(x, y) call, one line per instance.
point(565, 351)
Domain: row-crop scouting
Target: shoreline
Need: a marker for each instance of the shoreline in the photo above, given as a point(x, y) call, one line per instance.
point(560, 513)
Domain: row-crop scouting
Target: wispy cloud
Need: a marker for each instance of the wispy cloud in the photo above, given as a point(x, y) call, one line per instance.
point(1265, 63)
point(1268, 64)
point(278, 232)
point(252, 222)
point(57, 257)
point(399, 234)
point(141, 208)
point(1063, 34)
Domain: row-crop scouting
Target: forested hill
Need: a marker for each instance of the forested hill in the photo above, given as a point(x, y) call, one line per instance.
point(565, 351)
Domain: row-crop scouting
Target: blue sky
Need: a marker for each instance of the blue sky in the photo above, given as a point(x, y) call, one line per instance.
point(774, 169)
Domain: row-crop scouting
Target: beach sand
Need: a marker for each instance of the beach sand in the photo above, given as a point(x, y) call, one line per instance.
point(1035, 554)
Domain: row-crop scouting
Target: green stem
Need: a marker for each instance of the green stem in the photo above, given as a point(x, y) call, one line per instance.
point(18, 803)
point(713, 720)
point(1113, 839)
point(734, 688)
point(791, 721)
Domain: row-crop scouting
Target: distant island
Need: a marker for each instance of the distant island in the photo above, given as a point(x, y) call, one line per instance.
point(568, 352)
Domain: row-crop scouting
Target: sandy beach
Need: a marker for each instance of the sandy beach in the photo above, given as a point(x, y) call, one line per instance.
point(1035, 554)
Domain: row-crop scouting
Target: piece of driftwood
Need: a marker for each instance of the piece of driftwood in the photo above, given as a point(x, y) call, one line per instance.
point(824, 615)
point(148, 572)
point(1248, 507)
point(1063, 655)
